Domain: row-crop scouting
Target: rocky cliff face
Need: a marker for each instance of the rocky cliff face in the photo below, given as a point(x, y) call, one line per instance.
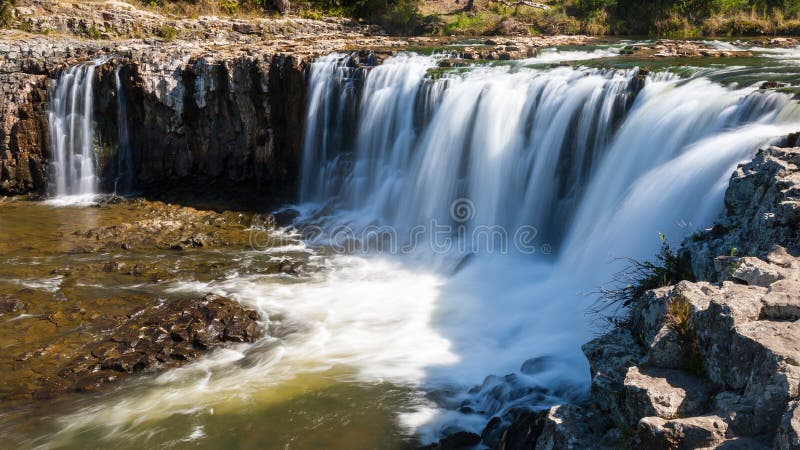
point(232, 116)
point(25, 67)
point(206, 118)
point(209, 101)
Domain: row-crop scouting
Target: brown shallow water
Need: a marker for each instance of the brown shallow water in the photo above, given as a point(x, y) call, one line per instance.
point(70, 274)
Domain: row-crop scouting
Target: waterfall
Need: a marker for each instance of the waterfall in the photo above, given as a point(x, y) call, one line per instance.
point(589, 163)
point(123, 181)
point(523, 146)
point(595, 163)
point(72, 134)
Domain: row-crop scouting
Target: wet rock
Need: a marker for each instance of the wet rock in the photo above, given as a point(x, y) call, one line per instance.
point(667, 48)
point(114, 266)
point(771, 85)
point(12, 305)
point(460, 440)
point(573, 427)
point(158, 337)
point(610, 356)
point(523, 433)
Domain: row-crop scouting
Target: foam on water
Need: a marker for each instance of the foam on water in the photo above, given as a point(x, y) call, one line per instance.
point(554, 55)
point(369, 318)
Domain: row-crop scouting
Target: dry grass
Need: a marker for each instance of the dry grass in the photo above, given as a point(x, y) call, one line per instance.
point(490, 18)
point(198, 8)
point(750, 23)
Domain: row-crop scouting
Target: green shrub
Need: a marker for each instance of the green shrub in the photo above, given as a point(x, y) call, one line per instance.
point(472, 24)
point(167, 33)
point(93, 32)
point(229, 6)
point(638, 277)
point(681, 322)
point(6, 13)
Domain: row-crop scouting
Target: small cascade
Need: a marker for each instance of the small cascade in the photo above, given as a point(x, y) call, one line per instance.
point(123, 181)
point(332, 90)
point(72, 134)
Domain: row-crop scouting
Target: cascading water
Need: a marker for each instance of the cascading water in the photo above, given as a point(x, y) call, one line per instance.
point(72, 134)
point(595, 162)
point(123, 182)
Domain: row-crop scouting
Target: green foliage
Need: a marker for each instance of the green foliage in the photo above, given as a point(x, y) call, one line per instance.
point(638, 277)
point(472, 24)
point(229, 6)
point(93, 32)
point(399, 16)
point(681, 322)
point(167, 33)
point(687, 18)
point(6, 13)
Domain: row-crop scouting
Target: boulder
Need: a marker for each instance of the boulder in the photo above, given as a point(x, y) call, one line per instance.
point(782, 301)
point(158, 337)
point(609, 357)
point(664, 393)
point(788, 437)
point(523, 432)
point(573, 427)
point(755, 272)
point(655, 433)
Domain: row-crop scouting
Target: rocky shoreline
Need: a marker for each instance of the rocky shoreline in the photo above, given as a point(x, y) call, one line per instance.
point(95, 307)
point(713, 363)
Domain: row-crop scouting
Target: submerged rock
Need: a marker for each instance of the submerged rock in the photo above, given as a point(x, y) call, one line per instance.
point(158, 337)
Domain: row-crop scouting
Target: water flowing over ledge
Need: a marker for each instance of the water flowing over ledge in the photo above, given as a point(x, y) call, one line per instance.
point(598, 162)
point(72, 125)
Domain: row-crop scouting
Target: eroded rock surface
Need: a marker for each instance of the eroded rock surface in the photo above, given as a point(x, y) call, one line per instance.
point(762, 209)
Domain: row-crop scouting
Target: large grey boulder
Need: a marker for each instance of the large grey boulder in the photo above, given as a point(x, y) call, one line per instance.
point(664, 393)
point(610, 356)
point(680, 434)
point(788, 437)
